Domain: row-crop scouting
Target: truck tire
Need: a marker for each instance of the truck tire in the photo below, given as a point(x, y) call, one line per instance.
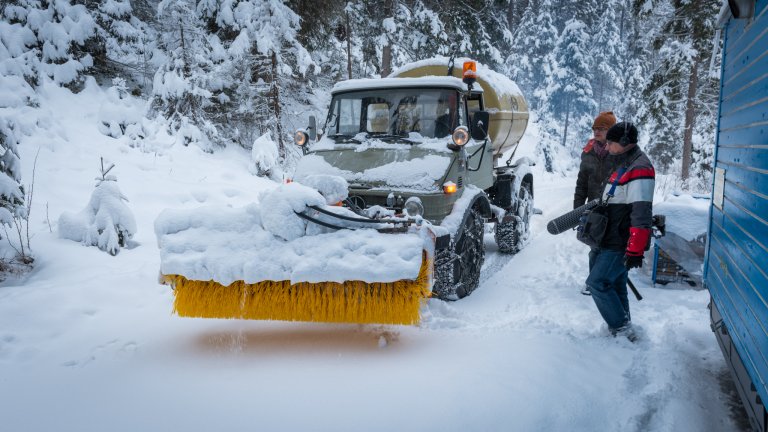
point(457, 268)
point(513, 231)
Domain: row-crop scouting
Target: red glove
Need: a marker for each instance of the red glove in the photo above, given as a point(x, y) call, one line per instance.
point(638, 241)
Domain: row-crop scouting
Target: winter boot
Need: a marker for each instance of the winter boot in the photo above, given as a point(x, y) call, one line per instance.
point(585, 290)
point(626, 331)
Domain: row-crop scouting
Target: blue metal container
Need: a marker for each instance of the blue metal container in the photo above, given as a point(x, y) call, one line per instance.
point(736, 264)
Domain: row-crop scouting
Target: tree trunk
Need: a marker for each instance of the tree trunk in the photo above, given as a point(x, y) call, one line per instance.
point(386, 54)
point(386, 60)
point(693, 83)
point(274, 102)
point(349, 47)
point(185, 68)
point(567, 120)
point(511, 12)
point(600, 91)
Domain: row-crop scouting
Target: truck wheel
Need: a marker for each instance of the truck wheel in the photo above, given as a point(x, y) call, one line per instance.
point(457, 269)
point(513, 231)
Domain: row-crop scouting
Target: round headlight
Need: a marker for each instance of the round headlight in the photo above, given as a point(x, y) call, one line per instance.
point(460, 135)
point(413, 207)
point(300, 138)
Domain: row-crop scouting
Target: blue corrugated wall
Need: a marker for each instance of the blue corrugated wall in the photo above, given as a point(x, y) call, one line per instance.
point(737, 259)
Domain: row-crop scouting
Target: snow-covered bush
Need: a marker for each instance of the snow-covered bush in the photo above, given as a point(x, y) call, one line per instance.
point(121, 115)
point(106, 221)
point(265, 158)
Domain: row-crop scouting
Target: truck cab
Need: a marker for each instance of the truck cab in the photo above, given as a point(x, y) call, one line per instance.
point(389, 139)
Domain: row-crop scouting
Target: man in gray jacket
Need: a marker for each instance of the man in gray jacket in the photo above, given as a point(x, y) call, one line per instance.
point(627, 236)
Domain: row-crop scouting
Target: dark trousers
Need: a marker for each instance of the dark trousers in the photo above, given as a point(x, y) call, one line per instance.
point(608, 283)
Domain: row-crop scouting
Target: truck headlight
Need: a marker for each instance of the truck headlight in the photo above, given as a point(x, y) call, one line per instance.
point(460, 135)
point(413, 207)
point(300, 138)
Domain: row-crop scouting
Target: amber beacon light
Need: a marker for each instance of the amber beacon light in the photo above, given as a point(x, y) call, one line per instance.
point(470, 72)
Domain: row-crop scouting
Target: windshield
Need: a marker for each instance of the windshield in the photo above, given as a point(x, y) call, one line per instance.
point(393, 113)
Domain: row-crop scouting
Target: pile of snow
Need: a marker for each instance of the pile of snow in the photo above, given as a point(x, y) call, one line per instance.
point(686, 215)
point(417, 174)
point(121, 115)
point(267, 241)
point(333, 188)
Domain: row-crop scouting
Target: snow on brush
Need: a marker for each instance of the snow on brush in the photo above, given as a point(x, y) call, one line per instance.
point(88, 341)
point(268, 241)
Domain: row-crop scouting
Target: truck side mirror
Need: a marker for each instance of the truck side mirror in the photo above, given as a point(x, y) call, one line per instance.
point(479, 125)
point(312, 128)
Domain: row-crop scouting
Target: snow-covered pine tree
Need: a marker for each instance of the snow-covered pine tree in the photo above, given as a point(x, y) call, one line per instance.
point(413, 32)
point(515, 11)
point(374, 50)
point(427, 35)
point(128, 42)
point(180, 92)
point(571, 99)
point(11, 191)
point(634, 34)
point(65, 36)
point(531, 63)
point(478, 28)
point(679, 89)
point(608, 51)
point(324, 33)
point(106, 221)
point(256, 55)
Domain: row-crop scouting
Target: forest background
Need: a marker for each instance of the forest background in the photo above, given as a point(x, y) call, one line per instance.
point(225, 72)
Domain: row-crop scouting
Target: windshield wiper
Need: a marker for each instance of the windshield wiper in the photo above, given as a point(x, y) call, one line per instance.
point(345, 137)
point(385, 136)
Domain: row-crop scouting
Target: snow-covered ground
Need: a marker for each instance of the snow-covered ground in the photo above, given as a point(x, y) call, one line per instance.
point(88, 342)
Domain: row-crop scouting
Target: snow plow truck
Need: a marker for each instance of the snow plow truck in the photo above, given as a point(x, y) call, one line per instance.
point(387, 207)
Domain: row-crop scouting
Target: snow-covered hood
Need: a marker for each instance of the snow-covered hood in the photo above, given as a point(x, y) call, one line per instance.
point(414, 167)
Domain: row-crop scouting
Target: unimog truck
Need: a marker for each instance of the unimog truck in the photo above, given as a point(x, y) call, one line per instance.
point(428, 142)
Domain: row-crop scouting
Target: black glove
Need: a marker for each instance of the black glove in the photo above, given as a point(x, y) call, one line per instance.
point(633, 261)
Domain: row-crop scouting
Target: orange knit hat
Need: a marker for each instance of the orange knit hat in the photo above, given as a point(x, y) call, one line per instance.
point(604, 120)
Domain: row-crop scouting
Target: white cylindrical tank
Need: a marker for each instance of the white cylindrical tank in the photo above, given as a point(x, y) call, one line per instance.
point(502, 97)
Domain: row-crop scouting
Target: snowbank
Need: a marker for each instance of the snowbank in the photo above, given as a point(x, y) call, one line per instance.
point(687, 216)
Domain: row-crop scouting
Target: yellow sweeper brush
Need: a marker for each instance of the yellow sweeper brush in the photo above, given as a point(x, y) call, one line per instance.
point(348, 302)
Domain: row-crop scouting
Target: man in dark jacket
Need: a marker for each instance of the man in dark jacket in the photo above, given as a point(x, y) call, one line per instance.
point(594, 169)
point(627, 236)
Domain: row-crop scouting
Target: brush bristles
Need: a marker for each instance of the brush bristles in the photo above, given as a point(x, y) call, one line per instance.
point(349, 302)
